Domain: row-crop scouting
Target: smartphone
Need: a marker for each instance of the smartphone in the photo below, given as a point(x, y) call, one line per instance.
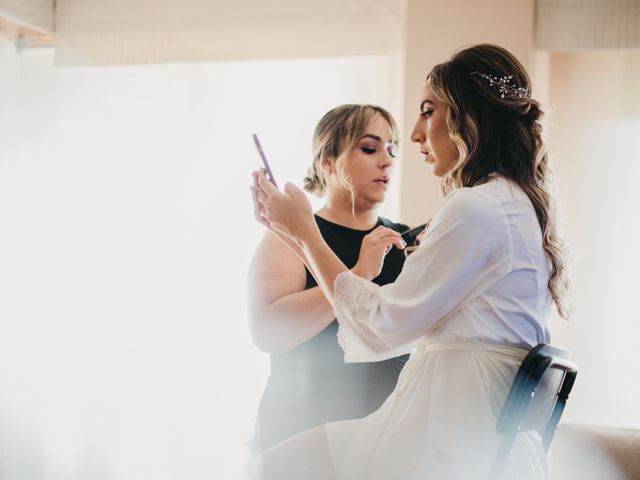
point(264, 161)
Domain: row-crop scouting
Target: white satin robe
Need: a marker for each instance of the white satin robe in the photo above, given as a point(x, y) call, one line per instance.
point(469, 304)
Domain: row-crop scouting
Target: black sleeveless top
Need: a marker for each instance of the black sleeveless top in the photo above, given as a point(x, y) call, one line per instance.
point(311, 385)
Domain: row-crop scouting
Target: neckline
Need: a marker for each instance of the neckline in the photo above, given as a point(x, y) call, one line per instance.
point(348, 229)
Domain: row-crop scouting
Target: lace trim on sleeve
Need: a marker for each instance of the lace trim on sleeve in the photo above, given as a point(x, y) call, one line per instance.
point(355, 300)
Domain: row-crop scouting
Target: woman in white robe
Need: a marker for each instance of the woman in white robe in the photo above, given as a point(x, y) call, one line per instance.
point(470, 302)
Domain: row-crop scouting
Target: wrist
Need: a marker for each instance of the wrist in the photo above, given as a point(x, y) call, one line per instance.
point(308, 234)
point(362, 272)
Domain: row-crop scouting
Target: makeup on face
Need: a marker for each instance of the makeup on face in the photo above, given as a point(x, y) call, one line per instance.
point(370, 144)
point(432, 134)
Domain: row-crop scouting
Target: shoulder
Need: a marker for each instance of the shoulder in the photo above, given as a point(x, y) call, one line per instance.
point(474, 204)
point(398, 227)
point(475, 211)
point(273, 257)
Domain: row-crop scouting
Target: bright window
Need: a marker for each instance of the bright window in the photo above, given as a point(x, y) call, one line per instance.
point(126, 235)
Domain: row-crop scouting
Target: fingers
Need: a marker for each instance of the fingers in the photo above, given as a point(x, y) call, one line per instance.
point(259, 196)
point(265, 185)
point(256, 185)
point(254, 195)
point(388, 237)
point(399, 243)
point(262, 198)
point(291, 190)
point(258, 208)
point(390, 241)
point(280, 210)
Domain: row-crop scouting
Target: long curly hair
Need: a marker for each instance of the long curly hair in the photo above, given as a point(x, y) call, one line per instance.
point(497, 130)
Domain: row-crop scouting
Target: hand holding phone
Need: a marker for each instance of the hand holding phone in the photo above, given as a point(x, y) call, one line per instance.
point(265, 163)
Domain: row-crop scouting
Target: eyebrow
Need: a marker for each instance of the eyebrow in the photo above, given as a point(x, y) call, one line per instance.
point(377, 138)
point(425, 101)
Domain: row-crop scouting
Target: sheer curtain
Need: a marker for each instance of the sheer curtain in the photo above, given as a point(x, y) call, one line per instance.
point(126, 232)
point(95, 32)
point(594, 143)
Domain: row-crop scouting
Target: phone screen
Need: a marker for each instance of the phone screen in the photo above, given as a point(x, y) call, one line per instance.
point(265, 163)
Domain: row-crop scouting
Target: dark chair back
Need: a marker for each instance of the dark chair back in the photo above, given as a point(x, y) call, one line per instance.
point(536, 399)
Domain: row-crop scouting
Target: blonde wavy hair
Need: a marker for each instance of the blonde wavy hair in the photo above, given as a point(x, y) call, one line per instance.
point(500, 133)
point(335, 136)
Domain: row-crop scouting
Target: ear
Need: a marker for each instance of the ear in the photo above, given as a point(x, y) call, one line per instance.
point(327, 165)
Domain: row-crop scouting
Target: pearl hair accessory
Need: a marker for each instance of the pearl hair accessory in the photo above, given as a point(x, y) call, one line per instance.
point(505, 85)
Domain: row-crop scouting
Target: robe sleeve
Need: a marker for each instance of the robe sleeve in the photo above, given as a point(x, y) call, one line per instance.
point(467, 249)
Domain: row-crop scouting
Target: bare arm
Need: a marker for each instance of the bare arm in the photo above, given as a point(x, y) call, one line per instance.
point(282, 314)
point(326, 266)
point(289, 213)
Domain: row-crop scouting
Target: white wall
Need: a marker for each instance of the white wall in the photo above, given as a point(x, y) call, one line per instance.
point(434, 32)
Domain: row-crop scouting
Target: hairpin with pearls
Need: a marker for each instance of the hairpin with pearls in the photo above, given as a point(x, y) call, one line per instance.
point(505, 85)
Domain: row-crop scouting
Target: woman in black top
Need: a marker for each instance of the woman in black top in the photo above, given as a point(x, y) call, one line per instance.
point(354, 151)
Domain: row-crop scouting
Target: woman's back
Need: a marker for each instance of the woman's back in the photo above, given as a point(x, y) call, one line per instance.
point(513, 306)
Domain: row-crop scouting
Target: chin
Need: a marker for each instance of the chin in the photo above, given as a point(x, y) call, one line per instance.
point(437, 171)
point(374, 201)
point(440, 170)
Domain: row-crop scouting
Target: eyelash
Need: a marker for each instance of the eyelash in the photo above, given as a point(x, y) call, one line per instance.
point(426, 113)
point(371, 151)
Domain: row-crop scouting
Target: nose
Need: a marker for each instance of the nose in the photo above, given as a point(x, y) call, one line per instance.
point(386, 160)
point(417, 135)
